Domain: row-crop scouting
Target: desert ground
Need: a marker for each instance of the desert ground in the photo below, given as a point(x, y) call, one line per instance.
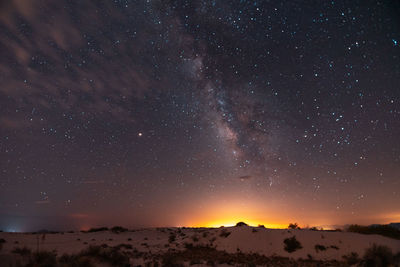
point(225, 246)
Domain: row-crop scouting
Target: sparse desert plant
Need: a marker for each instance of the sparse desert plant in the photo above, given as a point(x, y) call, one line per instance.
point(351, 258)
point(319, 248)
point(129, 239)
point(224, 233)
point(254, 230)
point(261, 226)
point(313, 229)
point(99, 229)
point(110, 255)
point(43, 259)
point(171, 237)
point(241, 224)
point(195, 238)
point(291, 244)
point(118, 229)
point(378, 256)
point(293, 226)
point(22, 251)
point(75, 261)
point(334, 247)
point(2, 241)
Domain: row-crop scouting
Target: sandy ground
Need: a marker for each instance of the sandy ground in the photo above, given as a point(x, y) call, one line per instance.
point(268, 242)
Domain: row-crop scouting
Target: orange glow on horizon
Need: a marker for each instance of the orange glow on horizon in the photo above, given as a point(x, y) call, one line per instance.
point(233, 222)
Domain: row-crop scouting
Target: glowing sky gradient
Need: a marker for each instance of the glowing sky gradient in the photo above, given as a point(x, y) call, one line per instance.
point(198, 113)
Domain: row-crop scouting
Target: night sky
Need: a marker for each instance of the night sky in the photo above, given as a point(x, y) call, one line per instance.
point(198, 113)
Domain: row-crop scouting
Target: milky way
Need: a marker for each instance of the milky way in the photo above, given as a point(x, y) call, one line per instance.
point(154, 113)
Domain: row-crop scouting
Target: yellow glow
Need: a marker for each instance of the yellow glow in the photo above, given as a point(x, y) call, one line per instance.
point(232, 222)
point(229, 217)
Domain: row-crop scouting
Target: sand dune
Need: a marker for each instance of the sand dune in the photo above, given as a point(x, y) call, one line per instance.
point(141, 245)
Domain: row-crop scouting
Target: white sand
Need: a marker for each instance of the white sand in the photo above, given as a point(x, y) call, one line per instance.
point(264, 241)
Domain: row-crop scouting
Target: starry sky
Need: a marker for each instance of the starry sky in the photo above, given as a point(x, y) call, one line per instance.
point(198, 113)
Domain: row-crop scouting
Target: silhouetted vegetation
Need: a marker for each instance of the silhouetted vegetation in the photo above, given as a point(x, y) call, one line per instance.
point(75, 261)
point(241, 224)
point(214, 257)
point(319, 248)
point(171, 238)
point(291, 244)
point(109, 255)
point(224, 233)
point(352, 258)
point(99, 229)
point(384, 230)
point(118, 229)
point(43, 259)
point(22, 251)
point(378, 256)
point(294, 226)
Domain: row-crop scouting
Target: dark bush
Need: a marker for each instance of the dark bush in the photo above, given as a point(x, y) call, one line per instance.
point(378, 256)
point(75, 261)
point(171, 238)
point(293, 226)
point(291, 244)
point(99, 229)
point(241, 224)
point(22, 251)
point(224, 233)
point(118, 229)
point(319, 248)
point(43, 259)
point(110, 255)
point(351, 258)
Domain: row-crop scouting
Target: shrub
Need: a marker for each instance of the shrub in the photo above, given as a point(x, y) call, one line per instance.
point(99, 229)
point(291, 244)
point(351, 258)
point(293, 226)
point(75, 261)
point(21, 251)
point(110, 255)
point(2, 241)
point(378, 256)
point(171, 238)
point(43, 259)
point(224, 233)
point(118, 229)
point(261, 226)
point(241, 224)
point(319, 248)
